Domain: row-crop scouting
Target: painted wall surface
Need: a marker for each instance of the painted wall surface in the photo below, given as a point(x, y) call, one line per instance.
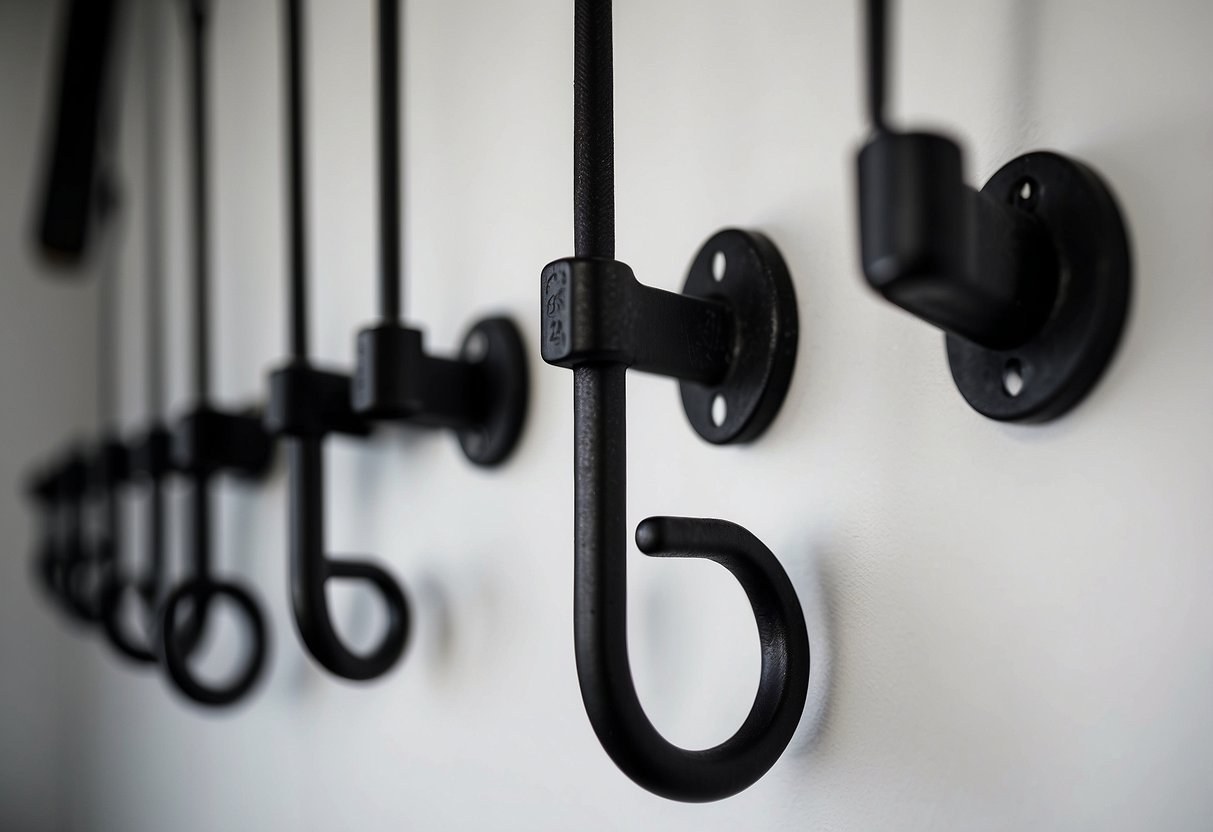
point(1010, 625)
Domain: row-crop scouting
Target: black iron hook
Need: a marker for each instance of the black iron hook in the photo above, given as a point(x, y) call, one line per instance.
point(305, 405)
point(206, 442)
point(149, 457)
point(71, 480)
point(41, 489)
point(482, 394)
point(1029, 278)
point(730, 338)
point(56, 489)
point(148, 465)
point(90, 577)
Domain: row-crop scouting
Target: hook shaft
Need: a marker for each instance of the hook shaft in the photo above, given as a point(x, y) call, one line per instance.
point(600, 498)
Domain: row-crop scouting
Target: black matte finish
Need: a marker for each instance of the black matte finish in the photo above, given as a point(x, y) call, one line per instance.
point(1060, 364)
point(149, 467)
point(1029, 278)
point(481, 394)
point(207, 442)
point(69, 201)
point(149, 451)
point(89, 577)
point(598, 320)
point(305, 405)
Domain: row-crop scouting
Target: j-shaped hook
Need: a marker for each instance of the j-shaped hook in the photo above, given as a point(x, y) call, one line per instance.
point(207, 442)
point(305, 405)
point(730, 338)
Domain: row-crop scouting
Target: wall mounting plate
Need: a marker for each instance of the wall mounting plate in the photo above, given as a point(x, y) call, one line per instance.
point(744, 270)
point(1057, 367)
point(495, 346)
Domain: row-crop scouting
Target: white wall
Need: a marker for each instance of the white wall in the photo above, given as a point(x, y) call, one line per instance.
point(1010, 624)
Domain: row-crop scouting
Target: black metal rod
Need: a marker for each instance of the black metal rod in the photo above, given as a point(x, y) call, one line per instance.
point(593, 131)
point(107, 335)
point(296, 195)
point(201, 207)
point(390, 274)
point(877, 51)
point(153, 213)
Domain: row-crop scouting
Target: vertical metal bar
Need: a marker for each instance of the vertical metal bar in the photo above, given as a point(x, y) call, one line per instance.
point(390, 276)
point(593, 131)
point(153, 211)
point(198, 151)
point(295, 180)
point(599, 391)
point(877, 51)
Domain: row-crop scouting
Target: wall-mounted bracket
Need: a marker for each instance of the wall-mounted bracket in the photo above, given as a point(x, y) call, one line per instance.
point(729, 338)
point(1029, 278)
point(481, 395)
point(209, 441)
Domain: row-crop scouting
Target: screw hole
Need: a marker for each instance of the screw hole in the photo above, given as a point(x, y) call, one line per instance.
point(476, 348)
point(1012, 378)
point(720, 410)
point(1025, 193)
point(719, 264)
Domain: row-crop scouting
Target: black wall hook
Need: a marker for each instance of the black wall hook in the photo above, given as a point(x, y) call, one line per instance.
point(91, 576)
point(731, 336)
point(148, 466)
point(206, 442)
point(148, 459)
point(305, 405)
point(482, 394)
point(1029, 278)
point(57, 491)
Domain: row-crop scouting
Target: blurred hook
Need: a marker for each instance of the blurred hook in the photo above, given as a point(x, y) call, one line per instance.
point(149, 464)
point(305, 405)
point(207, 442)
point(1029, 277)
point(149, 458)
point(482, 394)
point(730, 338)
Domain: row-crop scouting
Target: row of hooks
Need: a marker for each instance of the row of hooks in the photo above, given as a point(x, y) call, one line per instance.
point(1029, 278)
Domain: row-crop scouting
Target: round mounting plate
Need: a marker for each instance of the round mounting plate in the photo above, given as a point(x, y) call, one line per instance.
point(744, 270)
point(1052, 372)
point(495, 346)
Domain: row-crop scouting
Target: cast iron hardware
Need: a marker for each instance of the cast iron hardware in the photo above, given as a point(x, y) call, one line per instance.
point(481, 395)
point(305, 405)
point(148, 464)
point(89, 577)
point(105, 463)
point(206, 442)
point(1029, 278)
point(85, 64)
point(58, 492)
point(734, 338)
point(148, 460)
point(42, 489)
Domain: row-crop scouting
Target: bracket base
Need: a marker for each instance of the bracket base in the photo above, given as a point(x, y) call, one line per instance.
point(744, 270)
point(1058, 366)
point(493, 346)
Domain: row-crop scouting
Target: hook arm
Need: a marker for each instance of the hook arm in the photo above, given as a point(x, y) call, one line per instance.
point(311, 569)
point(305, 405)
point(600, 616)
